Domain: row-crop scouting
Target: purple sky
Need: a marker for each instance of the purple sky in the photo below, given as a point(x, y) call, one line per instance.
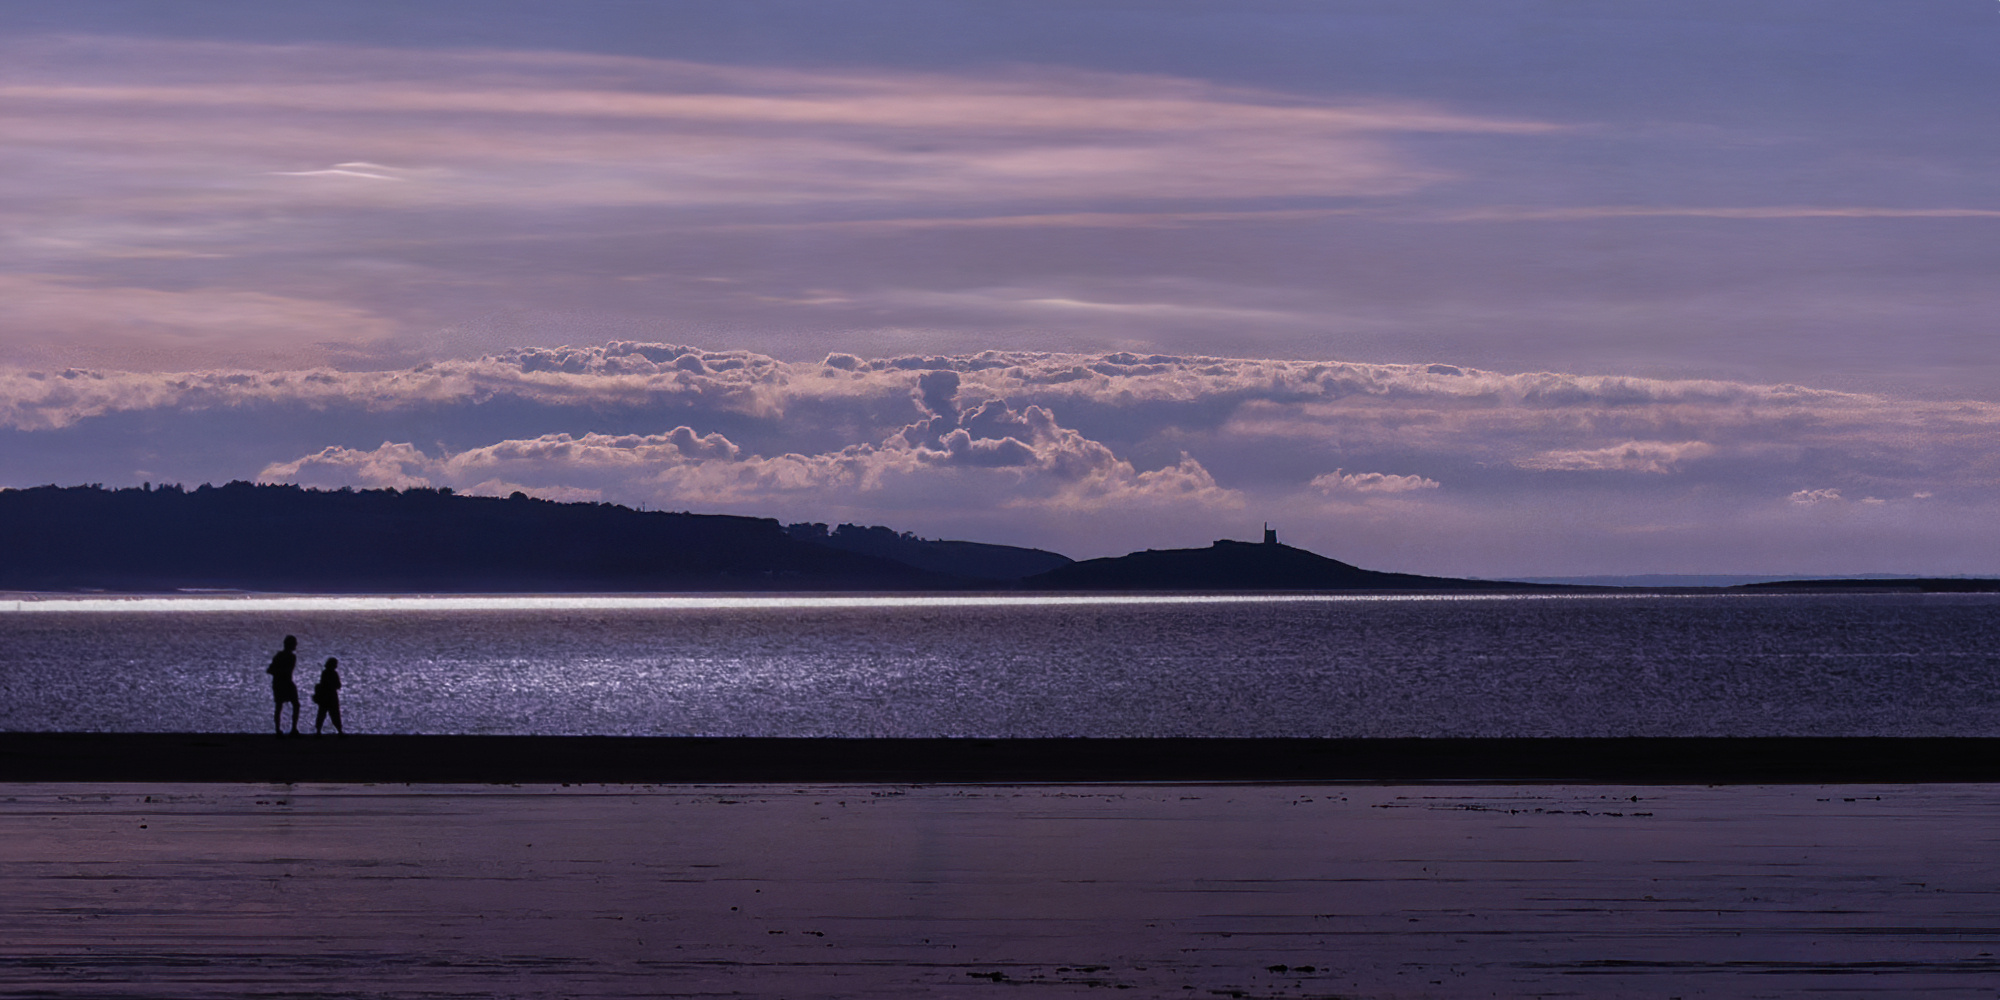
point(1493, 288)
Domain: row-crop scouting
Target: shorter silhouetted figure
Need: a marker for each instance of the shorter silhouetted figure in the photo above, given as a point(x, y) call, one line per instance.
point(283, 690)
point(326, 694)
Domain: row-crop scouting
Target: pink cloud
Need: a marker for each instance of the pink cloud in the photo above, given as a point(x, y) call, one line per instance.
point(1631, 456)
point(1340, 481)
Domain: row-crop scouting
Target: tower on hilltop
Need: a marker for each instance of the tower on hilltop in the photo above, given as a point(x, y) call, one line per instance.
point(1270, 534)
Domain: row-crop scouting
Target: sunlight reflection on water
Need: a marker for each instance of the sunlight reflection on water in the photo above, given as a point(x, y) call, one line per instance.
point(665, 602)
point(1024, 665)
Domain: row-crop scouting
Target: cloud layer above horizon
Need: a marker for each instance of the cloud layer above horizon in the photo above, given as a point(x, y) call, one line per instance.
point(1431, 468)
point(314, 199)
point(392, 168)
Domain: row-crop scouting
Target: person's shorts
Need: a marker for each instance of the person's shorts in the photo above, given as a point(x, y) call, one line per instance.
point(284, 691)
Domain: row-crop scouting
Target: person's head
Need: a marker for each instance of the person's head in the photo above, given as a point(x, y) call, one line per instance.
point(331, 663)
point(291, 642)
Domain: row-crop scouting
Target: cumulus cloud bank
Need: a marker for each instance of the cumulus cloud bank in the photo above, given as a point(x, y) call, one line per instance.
point(1460, 468)
point(993, 456)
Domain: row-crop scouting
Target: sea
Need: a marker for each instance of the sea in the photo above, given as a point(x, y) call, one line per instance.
point(1023, 666)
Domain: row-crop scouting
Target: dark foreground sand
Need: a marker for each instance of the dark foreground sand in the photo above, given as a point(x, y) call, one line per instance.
point(163, 865)
point(1166, 890)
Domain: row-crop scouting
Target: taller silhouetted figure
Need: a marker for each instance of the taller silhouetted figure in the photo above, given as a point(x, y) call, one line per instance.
point(282, 688)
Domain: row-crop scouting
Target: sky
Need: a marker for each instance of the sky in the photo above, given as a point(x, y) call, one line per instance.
point(1496, 288)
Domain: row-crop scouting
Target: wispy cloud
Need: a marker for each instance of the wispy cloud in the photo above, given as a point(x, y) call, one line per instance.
point(370, 171)
point(421, 185)
point(1137, 219)
point(1030, 302)
point(1586, 213)
point(218, 326)
point(1630, 456)
point(465, 201)
point(1100, 102)
point(577, 130)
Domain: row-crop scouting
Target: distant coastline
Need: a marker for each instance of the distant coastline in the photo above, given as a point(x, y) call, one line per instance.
point(245, 538)
point(1676, 581)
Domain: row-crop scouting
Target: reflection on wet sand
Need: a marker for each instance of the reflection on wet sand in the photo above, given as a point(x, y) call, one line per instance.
point(191, 890)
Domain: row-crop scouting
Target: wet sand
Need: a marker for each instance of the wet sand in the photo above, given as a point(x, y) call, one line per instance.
point(558, 759)
point(207, 889)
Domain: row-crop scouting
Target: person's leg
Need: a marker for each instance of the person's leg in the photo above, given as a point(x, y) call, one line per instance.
point(337, 727)
point(295, 716)
point(278, 717)
point(319, 719)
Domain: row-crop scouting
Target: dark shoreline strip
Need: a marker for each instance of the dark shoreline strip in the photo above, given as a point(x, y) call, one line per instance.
point(235, 757)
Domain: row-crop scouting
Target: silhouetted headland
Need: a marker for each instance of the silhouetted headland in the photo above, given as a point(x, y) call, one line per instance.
point(1229, 565)
point(703, 760)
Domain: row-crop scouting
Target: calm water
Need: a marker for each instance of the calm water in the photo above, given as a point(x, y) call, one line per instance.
point(1322, 666)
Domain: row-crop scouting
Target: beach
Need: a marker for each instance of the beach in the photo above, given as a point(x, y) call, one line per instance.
point(263, 757)
point(205, 889)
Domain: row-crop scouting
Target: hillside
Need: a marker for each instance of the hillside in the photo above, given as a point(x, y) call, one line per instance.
point(283, 538)
point(977, 560)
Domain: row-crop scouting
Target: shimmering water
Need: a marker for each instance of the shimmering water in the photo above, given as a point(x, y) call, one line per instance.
point(1734, 665)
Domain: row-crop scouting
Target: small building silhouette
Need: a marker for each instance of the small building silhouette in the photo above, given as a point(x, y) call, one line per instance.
point(1270, 534)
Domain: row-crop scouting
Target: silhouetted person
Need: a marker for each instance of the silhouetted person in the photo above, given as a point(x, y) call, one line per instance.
point(282, 688)
point(326, 694)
